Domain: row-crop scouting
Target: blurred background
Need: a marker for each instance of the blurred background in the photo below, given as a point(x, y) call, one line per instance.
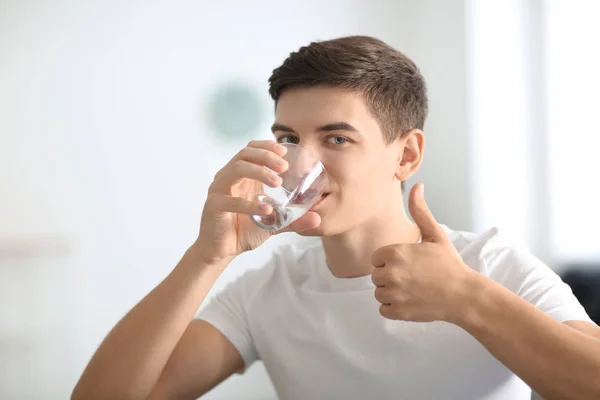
point(115, 115)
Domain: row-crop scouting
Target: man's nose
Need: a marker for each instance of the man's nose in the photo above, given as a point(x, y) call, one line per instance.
point(302, 161)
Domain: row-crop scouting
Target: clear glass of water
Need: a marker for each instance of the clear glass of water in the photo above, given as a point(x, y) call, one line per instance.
point(302, 186)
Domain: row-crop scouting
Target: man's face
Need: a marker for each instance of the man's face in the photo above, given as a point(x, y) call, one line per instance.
point(336, 125)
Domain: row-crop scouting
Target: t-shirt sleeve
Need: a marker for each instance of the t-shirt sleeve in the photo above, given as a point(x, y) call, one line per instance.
point(521, 272)
point(226, 312)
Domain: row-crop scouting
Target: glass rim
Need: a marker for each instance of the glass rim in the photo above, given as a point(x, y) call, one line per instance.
point(307, 151)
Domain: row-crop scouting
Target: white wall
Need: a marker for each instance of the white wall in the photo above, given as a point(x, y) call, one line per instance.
point(532, 125)
point(437, 43)
point(105, 149)
point(572, 128)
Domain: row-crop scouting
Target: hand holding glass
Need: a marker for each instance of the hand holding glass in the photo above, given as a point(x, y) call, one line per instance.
point(302, 186)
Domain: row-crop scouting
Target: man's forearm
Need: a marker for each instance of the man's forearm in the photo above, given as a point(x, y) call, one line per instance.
point(131, 358)
point(555, 360)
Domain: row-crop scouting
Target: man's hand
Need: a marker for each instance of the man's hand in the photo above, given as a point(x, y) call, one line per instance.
point(425, 281)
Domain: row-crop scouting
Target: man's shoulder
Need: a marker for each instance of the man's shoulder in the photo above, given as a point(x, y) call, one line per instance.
point(492, 249)
point(463, 239)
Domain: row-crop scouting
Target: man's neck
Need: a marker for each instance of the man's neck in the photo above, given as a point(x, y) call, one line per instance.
point(349, 254)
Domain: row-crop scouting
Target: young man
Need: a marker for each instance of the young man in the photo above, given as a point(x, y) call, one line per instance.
point(380, 307)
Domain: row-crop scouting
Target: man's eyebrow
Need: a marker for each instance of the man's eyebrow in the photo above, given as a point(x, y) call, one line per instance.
point(334, 126)
point(337, 126)
point(281, 128)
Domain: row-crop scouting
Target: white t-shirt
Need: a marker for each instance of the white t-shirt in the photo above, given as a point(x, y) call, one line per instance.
point(322, 337)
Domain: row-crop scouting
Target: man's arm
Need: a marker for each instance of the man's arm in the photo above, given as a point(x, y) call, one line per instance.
point(429, 281)
point(585, 327)
point(149, 342)
point(557, 360)
point(202, 359)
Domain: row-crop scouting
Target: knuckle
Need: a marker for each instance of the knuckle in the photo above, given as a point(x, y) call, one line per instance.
point(270, 157)
point(375, 259)
point(405, 315)
point(213, 202)
point(214, 186)
point(394, 279)
point(379, 275)
point(396, 275)
point(238, 164)
point(214, 199)
point(386, 311)
point(374, 278)
point(219, 174)
point(398, 252)
point(389, 274)
point(266, 172)
point(381, 255)
point(243, 153)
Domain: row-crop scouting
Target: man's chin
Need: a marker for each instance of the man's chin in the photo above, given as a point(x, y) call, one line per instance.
point(316, 232)
point(325, 229)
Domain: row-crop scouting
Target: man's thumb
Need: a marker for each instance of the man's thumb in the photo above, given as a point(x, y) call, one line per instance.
point(307, 225)
point(431, 231)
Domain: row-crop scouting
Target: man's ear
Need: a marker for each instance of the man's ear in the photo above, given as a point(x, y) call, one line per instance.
point(411, 154)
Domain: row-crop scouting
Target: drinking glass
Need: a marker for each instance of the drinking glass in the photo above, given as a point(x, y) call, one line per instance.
point(302, 186)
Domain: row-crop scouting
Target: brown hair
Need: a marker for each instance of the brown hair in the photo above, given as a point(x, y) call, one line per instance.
point(391, 82)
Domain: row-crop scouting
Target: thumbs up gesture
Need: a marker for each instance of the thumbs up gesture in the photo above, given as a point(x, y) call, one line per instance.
point(422, 282)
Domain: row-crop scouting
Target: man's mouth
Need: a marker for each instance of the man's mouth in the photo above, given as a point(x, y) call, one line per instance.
point(323, 196)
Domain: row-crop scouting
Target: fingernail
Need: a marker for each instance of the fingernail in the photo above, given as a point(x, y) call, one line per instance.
point(281, 148)
point(275, 178)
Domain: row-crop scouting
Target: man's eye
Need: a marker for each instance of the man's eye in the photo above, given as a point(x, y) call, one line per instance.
point(288, 139)
point(337, 140)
